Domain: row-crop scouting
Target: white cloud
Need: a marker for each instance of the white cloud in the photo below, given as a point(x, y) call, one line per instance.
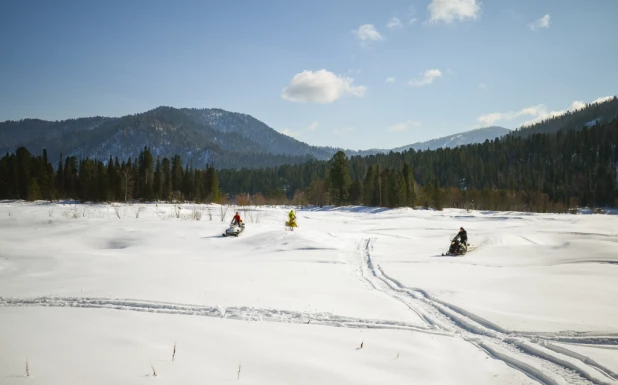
point(449, 11)
point(312, 126)
point(412, 15)
point(320, 87)
point(394, 23)
point(543, 22)
point(343, 130)
point(403, 126)
point(367, 33)
point(297, 133)
point(427, 78)
point(390, 79)
point(485, 86)
point(494, 117)
point(490, 119)
point(537, 113)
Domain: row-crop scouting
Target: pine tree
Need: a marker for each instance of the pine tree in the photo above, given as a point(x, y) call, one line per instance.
point(339, 176)
point(157, 181)
point(369, 189)
point(166, 190)
point(34, 192)
point(356, 193)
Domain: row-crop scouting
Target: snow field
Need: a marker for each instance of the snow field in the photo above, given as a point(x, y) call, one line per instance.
point(533, 302)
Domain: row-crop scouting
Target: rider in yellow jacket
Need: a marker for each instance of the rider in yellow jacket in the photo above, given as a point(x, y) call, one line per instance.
point(291, 219)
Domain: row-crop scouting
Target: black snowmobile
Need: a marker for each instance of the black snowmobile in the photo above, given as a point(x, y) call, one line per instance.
point(457, 247)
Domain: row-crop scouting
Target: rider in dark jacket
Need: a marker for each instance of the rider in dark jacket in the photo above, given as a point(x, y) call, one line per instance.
point(462, 235)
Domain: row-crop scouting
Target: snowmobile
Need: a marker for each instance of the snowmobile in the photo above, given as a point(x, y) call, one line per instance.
point(457, 248)
point(234, 230)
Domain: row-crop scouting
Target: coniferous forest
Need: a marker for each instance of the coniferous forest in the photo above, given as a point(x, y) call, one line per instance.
point(542, 172)
point(25, 176)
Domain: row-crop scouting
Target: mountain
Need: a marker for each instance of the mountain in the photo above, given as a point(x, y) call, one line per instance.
point(229, 139)
point(199, 136)
point(469, 137)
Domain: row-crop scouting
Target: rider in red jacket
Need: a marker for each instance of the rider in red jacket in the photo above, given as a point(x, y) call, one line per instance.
point(236, 220)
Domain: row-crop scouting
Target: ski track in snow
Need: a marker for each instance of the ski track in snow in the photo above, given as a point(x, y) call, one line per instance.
point(530, 353)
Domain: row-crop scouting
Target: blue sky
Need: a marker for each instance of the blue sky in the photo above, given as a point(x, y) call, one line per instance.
point(355, 74)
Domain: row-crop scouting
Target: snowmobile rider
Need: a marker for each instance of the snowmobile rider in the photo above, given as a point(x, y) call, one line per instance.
point(462, 235)
point(292, 219)
point(236, 220)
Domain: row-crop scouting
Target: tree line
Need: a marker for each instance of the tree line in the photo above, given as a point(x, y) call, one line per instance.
point(29, 177)
point(541, 172)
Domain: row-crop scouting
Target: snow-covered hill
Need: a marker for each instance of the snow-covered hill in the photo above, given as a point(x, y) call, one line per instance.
point(469, 137)
point(227, 139)
point(104, 294)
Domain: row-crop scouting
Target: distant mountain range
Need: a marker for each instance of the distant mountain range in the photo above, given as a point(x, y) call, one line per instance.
point(225, 139)
point(478, 135)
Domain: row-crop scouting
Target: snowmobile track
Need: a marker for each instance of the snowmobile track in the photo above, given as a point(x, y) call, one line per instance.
point(235, 313)
point(518, 350)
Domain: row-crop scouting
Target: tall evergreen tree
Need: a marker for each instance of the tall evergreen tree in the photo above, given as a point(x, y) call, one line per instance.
point(339, 176)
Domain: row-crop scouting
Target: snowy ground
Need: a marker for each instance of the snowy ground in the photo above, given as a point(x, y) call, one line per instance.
point(96, 294)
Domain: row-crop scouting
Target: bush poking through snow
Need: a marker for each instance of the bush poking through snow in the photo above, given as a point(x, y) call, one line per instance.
point(223, 211)
point(159, 213)
point(176, 212)
point(209, 214)
point(361, 346)
point(174, 352)
point(117, 211)
point(138, 210)
point(27, 369)
point(50, 213)
point(238, 374)
point(196, 214)
point(154, 371)
point(72, 213)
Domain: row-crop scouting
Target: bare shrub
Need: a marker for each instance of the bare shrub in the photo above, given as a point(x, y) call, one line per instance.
point(154, 371)
point(249, 214)
point(176, 212)
point(138, 210)
point(27, 369)
point(117, 211)
point(259, 200)
point(209, 214)
point(243, 199)
point(238, 374)
point(159, 213)
point(223, 209)
point(174, 352)
point(196, 213)
point(50, 212)
point(72, 213)
point(258, 216)
point(84, 210)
